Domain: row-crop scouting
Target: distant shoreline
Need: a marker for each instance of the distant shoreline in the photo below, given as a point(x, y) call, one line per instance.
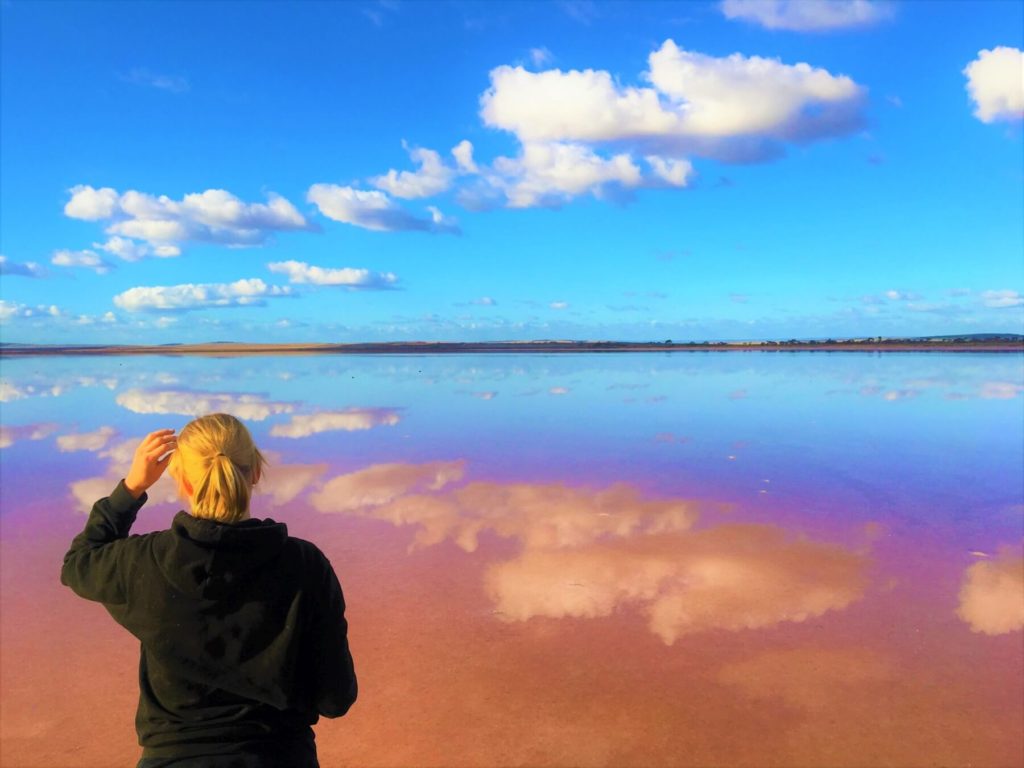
point(231, 349)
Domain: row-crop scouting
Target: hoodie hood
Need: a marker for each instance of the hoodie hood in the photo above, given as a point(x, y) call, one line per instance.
point(209, 559)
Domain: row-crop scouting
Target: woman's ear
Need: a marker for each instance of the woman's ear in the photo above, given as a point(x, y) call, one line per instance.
point(184, 488)
point(256, 475)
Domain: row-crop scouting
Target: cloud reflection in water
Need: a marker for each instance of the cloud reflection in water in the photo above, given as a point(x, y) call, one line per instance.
point(589, 553)
point(992, 595)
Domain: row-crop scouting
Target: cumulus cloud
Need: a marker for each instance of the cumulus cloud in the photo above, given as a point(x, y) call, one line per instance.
point(130, 250)
point(549, 173)
point(995, 83)
point(431, 178)
point(354, 279)
point(806, 15)
point(106, 318)
point(381, 483)
point(999, 299)
point(992, 594)
point(241, 293)
point(727, 107)
point(374, 210)
point(9, 435)
point(213, 216)
point(85, 258)
point(195, 403)
point(733, 108)
point(26, 269)
point(350, 420)
point(85, 441)
point(10, 310)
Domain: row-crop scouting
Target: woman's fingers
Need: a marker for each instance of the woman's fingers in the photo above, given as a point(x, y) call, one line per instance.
point(161, 448)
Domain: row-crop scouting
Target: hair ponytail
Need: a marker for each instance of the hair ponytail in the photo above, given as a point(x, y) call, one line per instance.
point(223, 493)
point(217, 456)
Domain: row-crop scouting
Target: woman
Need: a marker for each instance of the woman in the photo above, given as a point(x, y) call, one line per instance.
point(242, 627)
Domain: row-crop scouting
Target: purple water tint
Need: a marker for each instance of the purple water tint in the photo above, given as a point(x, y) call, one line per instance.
point(643, 559)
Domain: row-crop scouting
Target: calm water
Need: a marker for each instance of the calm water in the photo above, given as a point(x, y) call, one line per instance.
point(647, 559)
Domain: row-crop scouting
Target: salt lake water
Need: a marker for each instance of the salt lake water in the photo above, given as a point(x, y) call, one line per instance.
point(678, 559)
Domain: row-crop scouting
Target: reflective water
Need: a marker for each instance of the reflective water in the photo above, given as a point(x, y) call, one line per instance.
point(645, 559)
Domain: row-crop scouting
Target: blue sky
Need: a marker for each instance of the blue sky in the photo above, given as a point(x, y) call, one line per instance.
point(461, 171)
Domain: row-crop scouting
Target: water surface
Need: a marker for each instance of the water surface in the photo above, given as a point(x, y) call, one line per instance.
point(643, 559)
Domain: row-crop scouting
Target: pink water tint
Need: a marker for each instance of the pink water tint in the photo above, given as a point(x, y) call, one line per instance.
point(504, 615)
point(892, 678)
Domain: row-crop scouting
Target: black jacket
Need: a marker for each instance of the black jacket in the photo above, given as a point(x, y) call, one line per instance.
point(242, 628)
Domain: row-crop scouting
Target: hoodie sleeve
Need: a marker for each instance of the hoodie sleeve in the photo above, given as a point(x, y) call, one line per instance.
point(95, 566)
point(335, 677)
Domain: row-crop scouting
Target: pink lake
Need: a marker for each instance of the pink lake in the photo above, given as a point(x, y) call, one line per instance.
point(690, 559)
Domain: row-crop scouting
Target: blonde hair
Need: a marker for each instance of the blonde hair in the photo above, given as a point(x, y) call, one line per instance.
point(220, 461)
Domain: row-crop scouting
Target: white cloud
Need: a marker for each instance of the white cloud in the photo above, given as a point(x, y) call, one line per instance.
point(995, 83)
point(431, 178)
point(194, 403)
point(351, 278)
point(91, 204)
point(673, 171)
point(999, 299)
point(88, 259)
point(247, 292)
point(350, 420)
point(806, 15)
point(559, 305)
point(484, 301)
point(9, 435)
point(553, 172)
point(85, 441)
point(10, 310)
point(382, 483)
point(992, 594)
point(130, 250)
point(463, 154)
point(374, 210)
point(214, 216)
point(696, 102)
point(737, 95)
point(26, 269)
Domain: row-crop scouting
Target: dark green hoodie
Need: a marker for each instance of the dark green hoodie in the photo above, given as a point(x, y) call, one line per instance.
point(242, 628)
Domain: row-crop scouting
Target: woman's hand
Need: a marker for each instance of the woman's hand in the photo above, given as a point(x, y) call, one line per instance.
point(147, 465)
